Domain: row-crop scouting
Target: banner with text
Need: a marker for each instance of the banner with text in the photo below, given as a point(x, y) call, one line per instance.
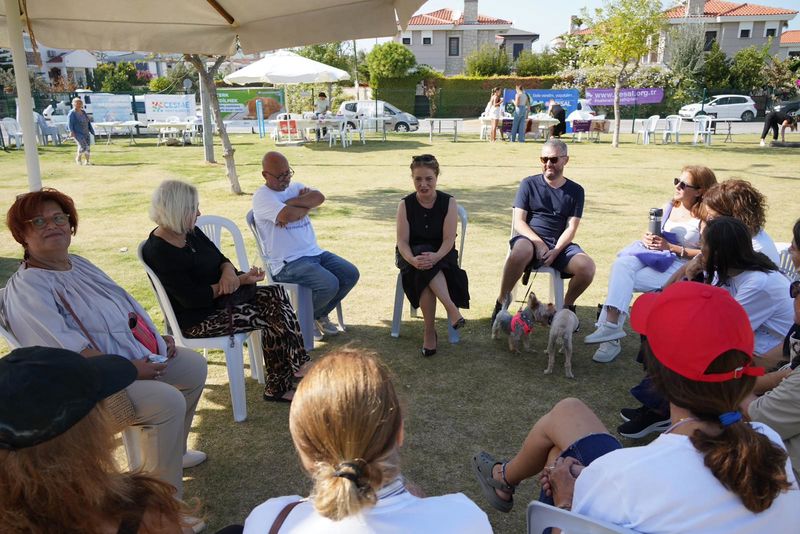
point(240, 104)
point(627, 97)
point(162, 107)
point(110, 108)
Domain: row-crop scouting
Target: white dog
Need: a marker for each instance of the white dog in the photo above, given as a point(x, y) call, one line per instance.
point(561, 329)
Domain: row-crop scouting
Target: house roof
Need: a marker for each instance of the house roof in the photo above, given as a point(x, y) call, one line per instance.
point(790, 37)
point(445, 16)
point(717, 8)
point(516, 32)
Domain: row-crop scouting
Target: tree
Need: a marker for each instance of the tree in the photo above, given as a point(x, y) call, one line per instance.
point(363, 66)
point(686, 53)
point(624, 31)
point(543, 63)
point(209, 99)
point(488, 60)
point(333, 54)
point(716, 71)
point(116, 82)
point(778, 76)
point(573, 52)
point(389, 60)
point(161, 84)
point(746, 68)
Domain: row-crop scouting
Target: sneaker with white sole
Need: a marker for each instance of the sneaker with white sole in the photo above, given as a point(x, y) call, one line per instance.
point(607, 351)
point(605, 332)
point(327, 328)
point(647, 422)
point(626, 414)
point(192, 458)
point(763, 143)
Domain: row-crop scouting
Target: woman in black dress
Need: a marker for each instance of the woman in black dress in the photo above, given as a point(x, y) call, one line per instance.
point(426, 253)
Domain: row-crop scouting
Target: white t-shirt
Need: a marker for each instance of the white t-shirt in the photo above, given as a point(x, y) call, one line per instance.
point(398, 514)
point(664, 487)
point(764, 244)
point(765, 298)
point(282, 244)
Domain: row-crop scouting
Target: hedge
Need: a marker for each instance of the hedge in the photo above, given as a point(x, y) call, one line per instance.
point(398, 91)
point(464, 96)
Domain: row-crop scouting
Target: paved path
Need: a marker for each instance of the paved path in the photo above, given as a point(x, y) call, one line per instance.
point(473, 126)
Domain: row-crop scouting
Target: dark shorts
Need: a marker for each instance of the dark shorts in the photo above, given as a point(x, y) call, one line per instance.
point(561, 261)
point(586, 450)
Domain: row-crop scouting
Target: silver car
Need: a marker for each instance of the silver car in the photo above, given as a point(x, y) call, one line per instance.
point(398, 120)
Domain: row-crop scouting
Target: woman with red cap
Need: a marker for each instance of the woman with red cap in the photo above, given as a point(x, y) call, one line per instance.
point(712, 471)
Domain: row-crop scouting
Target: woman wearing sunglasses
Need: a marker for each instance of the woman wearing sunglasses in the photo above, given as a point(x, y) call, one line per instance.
point(58, 299)
point(680, 238)
point(426, 254)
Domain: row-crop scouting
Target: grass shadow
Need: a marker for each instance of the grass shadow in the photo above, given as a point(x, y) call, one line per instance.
point(8, 266)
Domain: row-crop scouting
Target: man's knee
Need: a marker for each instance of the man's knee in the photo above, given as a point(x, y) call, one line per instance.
point(521, 253)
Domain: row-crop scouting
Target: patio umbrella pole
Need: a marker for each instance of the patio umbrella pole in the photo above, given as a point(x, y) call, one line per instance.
point(25, 101)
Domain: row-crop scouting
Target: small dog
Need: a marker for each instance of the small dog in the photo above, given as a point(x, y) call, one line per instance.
point(564, 324)
point(520, 326)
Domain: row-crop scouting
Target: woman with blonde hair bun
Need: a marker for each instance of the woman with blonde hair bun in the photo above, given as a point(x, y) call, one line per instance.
point(347, 426)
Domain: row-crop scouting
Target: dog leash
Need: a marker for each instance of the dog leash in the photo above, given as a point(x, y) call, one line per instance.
point(527, 292)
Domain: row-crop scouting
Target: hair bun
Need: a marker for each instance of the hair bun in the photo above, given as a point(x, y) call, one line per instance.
point(352, 470)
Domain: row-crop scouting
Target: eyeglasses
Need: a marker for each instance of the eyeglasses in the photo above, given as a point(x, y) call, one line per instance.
point(59, 219)
point(794, 289)
point(551, 159)
point(424, 158)
point(282, 176)
point(680, 184)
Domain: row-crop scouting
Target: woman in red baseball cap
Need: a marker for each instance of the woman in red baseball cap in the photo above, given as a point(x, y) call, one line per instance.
point(712, 471)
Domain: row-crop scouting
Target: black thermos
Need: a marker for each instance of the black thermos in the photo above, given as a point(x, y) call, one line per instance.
point(654, 222)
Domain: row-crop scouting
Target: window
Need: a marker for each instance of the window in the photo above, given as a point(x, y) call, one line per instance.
point(770, 32)
point(350, 106)
point(427, 40)
point(770, 29)
point(453, 46)
point(427, 37)
point(745, 30)
point(711, 36)
point(518, 47)
point(406, 37)
point(794, 54)
point(737, 100)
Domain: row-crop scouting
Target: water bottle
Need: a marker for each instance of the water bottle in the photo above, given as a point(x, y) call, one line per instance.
point(654, 221)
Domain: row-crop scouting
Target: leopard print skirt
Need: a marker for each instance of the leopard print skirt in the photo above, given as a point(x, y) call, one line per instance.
point(281, 339)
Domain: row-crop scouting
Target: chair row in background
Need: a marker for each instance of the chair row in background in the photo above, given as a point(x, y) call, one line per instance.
point(705, 126)
point(11, 130)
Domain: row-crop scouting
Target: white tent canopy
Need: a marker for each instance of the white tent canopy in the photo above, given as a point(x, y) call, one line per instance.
point(185, 26)
point(284, 66)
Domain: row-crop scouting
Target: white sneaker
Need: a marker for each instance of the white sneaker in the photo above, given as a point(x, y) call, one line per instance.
point(77, 160)
point(605, 332)
point(763, 143)
point(195, 523)
point(607, 351)
point(192, 458)
point(327, 328)
point(317, 334)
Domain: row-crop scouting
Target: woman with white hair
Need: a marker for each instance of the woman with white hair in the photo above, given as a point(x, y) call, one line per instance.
point(80, 129)
point(211, 298)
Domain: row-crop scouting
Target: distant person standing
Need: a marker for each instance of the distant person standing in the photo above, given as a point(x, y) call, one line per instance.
point(521, 106)
point(494, 110)
point(775, 119)
point(557, 112)
point(80, 129)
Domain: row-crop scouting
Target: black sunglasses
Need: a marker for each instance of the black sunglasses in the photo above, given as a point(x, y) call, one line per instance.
point(683, 185)
point(551, 159)
point(282, 176)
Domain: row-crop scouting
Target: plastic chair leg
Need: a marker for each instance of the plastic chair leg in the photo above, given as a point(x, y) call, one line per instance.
point(397, 315)
point(340, 317)
point(234, 361)
point(557, 290)
point(256, 351)
point(305, 316)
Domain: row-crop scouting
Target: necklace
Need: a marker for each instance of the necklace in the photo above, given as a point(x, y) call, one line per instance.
point(57, 265)
point(680, 422)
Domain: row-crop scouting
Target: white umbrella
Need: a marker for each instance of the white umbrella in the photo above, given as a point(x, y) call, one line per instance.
point(188, 26)
point(284, 66)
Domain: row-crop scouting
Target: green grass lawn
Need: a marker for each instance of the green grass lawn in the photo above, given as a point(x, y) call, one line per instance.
point(471, 396)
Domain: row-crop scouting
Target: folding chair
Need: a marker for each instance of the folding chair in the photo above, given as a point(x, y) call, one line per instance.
point(542, 516)
point(300, 296)
point(556, 281)
point(399, 296)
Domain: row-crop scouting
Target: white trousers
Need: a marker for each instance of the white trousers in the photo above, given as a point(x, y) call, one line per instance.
point(629, 275)
point(164, 410)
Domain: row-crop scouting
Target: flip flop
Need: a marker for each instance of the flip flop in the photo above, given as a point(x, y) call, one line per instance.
point(482, 465)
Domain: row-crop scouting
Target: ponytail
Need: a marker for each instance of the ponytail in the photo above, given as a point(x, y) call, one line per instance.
point(344, 489)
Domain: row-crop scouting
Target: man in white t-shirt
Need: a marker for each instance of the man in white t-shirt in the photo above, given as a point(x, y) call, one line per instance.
point(280, 208)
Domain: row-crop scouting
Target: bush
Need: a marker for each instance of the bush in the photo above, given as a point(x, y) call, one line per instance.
point(161, 84)
point(117, 82)
point(389, 60)
point(536, 64)
point(487, 61)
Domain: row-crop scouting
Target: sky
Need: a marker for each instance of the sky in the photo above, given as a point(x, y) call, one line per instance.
point(550, 18)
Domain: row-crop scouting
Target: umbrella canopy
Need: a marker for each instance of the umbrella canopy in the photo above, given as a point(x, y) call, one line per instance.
point(287, 67)
point(211, 27)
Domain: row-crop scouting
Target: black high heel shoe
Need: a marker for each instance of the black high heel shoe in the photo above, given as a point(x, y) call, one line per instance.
point(459, 324)
point(430, 352)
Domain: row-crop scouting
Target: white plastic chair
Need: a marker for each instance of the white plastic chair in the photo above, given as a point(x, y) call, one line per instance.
point(556, 282)
point(300, 296)
point(672, 131)
point(647, 129)
point(13, 130)
point(5, 331)
point(399, 296)
point(234, 355)
point(702, 129)
point(45, 131)
point(339, 133)
point(486, 126)
point(785, 265)
point(542, 516)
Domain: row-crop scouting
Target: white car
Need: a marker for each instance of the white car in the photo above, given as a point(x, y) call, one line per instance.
point(723, 107)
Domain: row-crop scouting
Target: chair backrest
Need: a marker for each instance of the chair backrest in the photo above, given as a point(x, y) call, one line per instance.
point(673, 123)
point(5, 331)
point(542, 516)
point(213, 225)
point(251, 223)
point(12, 126)
point(702, 124)
point(652, 123)
point(785, 265)
point(287, 127)
point(162, 297)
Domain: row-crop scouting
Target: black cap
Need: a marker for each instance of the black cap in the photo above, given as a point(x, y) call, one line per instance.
point(45, 391)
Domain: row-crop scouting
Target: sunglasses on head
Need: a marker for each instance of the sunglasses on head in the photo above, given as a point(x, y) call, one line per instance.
point(551, 159)
point(424, 158)
point(59, 219)
point(680, 184)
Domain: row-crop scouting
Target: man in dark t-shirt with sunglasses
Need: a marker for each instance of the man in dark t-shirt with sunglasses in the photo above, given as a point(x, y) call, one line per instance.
point(547, 211)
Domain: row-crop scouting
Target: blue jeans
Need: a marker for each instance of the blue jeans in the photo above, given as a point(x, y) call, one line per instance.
point(329, 277)
point(518, 127)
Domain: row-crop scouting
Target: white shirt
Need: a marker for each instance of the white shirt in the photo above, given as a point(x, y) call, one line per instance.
point(282, 244)
point(764, 244)
point(400, 513)
point(765, 298)
point(321, 105)
point(665, 487)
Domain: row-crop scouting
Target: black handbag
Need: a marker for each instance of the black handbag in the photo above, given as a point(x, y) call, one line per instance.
point(244, 294)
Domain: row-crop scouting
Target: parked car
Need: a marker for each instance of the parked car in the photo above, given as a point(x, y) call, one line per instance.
point(398, 120)
point(723, 107)
point(788, 106)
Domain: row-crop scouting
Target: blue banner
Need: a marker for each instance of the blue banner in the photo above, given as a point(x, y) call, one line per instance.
point(540, 99)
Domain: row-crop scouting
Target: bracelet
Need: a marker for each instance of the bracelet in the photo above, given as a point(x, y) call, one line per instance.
point(683, 252)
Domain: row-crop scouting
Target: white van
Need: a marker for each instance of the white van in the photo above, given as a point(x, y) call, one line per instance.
point(399, 121)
